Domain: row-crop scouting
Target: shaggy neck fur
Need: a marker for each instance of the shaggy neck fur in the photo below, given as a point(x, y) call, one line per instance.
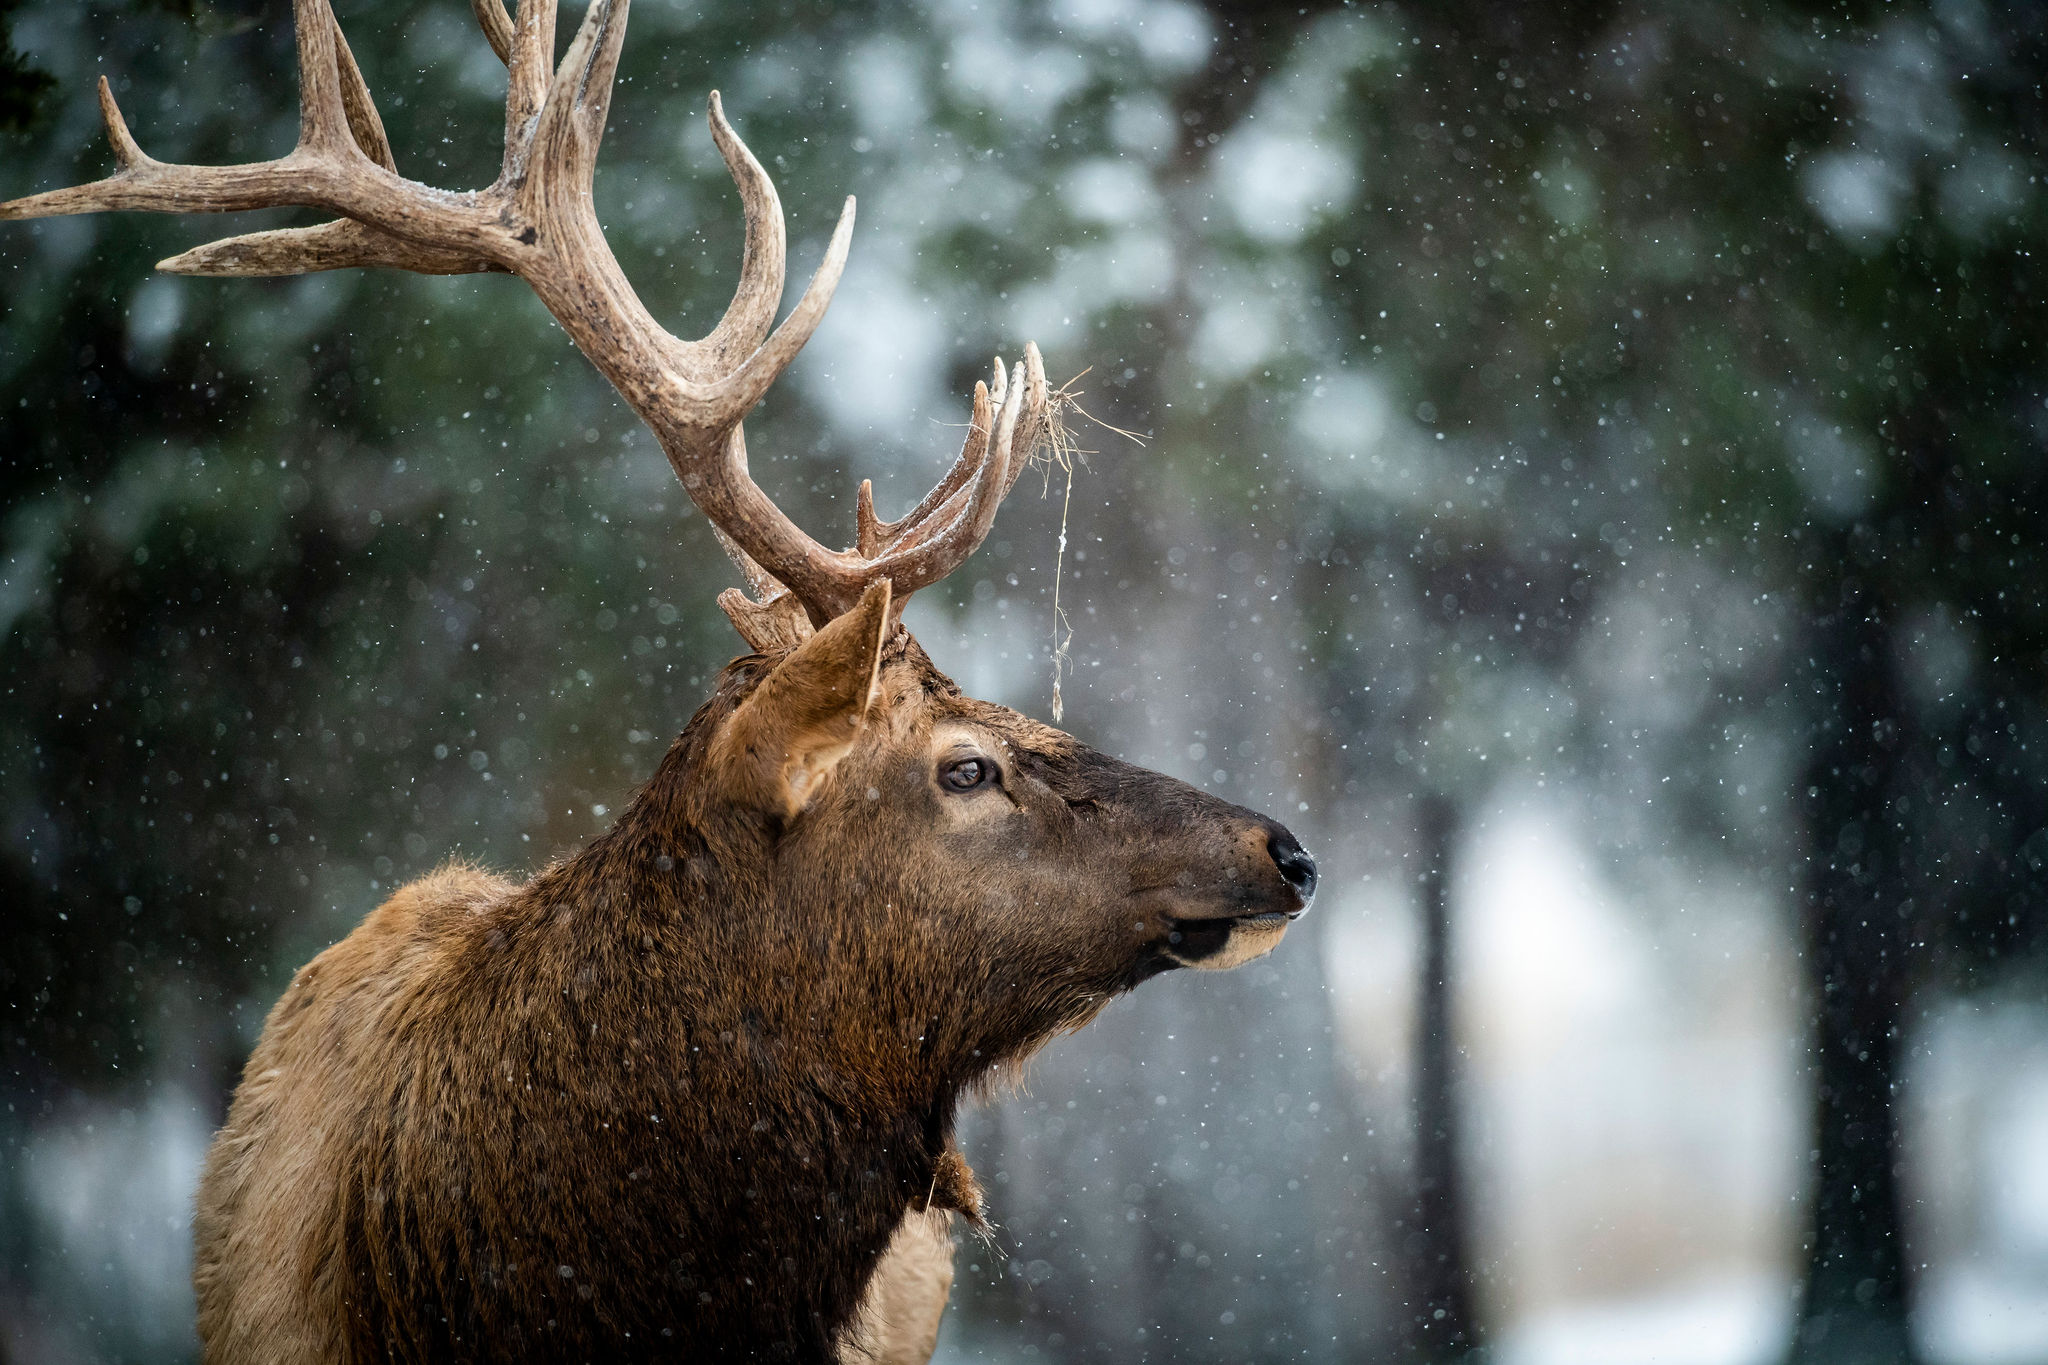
point(829, 1030)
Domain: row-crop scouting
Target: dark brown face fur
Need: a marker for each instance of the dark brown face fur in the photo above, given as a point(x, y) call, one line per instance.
point(670, 1099)
point(1058, 878)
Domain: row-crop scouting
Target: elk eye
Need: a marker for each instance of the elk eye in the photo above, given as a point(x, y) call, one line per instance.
point(966, 774)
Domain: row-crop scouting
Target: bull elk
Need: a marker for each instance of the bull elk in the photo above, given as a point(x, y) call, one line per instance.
point(690, 1092)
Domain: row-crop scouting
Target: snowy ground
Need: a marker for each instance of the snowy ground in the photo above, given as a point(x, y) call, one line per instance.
point(1966, 1317)
point(1735, 1321)
point(1973, 1316)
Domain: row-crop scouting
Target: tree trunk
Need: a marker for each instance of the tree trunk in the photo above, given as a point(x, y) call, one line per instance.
point(1442, 1325)
point(1855, 1300)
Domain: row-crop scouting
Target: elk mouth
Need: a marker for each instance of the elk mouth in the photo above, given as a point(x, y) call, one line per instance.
point(1268, 917)
point(1219, 942)
point(1226, 925)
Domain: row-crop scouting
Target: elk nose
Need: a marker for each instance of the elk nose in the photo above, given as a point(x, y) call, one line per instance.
point(1297, 869)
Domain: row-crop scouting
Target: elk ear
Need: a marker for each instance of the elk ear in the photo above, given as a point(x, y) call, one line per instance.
point(783, 742)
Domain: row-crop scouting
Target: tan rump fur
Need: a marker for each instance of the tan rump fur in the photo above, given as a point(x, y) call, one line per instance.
point(271, 1284)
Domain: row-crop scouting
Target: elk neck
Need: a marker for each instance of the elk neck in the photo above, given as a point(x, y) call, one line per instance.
point(808, 969)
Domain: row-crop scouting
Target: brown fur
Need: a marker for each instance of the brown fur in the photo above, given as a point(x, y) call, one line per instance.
point(673, 1097)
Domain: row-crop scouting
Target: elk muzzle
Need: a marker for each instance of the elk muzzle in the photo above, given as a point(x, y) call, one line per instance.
point(1267, 881)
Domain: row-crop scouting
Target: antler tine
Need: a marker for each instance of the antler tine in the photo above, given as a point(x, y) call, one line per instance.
point(342, 244)
point(497, 26)
point(365, 124)
point(128, 154)
point(942, 506)
point(529, 69)
point(764, 258)
point(866, 525)
point(750, 381)
point(323, 114)
point(877, 535)
point(577, 102)
point(938, 545)
point(602, 36)
point(1037, 413)
point(140, 181)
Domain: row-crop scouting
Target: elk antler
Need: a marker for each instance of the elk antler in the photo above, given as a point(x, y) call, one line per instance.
point(537, 221)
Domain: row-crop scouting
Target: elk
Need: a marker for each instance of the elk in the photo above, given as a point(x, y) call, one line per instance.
point(690, 1092)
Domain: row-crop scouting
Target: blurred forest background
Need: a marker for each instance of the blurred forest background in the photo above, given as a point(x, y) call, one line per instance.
point(1594, 489)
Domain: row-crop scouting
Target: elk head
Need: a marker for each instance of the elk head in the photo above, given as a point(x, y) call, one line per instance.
point(1006, 879)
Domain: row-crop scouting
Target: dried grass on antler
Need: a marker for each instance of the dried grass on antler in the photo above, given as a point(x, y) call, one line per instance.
point(536, 220)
